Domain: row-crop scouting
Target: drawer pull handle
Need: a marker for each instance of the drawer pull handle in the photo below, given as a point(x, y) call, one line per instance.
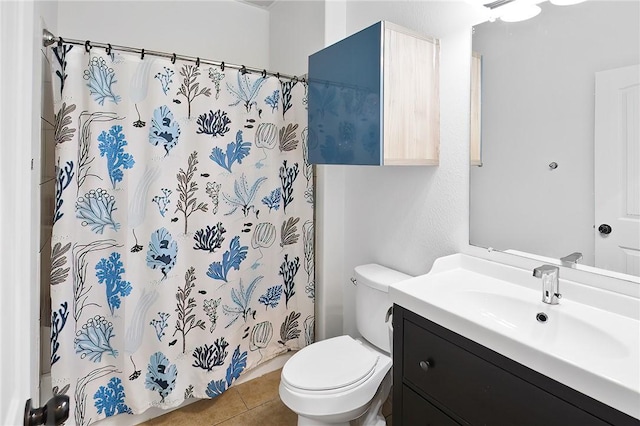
point(424, 365)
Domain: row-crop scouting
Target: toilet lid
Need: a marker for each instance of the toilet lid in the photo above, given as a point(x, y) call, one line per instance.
point(329, 364)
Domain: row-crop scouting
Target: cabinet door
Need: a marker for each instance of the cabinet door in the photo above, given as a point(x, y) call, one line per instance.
point(345, 115)
point(418, 412)
point(478, 391)
point(374, 99)
point(411, 99)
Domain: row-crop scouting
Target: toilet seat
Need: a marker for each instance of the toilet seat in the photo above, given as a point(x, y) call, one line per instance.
point(331, 365)
point(334, 404)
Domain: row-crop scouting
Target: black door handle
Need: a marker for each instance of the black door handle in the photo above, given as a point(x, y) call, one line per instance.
point(54, 412)
point(604, 229)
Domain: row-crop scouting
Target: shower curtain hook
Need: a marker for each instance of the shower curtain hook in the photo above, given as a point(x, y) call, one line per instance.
point(87, 46)
point(222, 66)
point(295, 79)
point(264, 73)
point(108, 49)
point(60, 41)
point(141, 54)
point(173, 58)
point(278, 75)
point(198, 62)
point(243, 70)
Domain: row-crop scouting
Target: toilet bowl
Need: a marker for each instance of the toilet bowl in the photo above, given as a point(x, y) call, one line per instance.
point(340, 379)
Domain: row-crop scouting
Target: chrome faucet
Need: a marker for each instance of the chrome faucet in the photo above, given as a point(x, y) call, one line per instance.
point(571, 260)
point(550, 286)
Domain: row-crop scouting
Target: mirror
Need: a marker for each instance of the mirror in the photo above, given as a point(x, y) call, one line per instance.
point(557, 147)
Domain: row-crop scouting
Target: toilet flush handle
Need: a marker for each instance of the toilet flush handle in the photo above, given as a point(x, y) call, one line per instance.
point(388, 318)
point(354, 281)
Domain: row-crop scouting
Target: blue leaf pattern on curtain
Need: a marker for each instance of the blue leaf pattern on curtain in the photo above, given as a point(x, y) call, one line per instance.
point(109, 272)
point(110, 398)
point(189, 243)
point(100, 77)
point(111, 146)
point(164, 129)
point(163, 251)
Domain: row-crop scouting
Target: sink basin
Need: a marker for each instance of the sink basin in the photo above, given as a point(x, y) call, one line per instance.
point(562, 327)
point(593, 350)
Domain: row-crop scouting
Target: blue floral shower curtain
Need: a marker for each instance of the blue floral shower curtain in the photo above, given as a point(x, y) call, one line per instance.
point(182, 246)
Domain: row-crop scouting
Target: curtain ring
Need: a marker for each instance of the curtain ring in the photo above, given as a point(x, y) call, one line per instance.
point(304, 80)
point(60, 41)
point(295, 79)
point(222, 66)
point(173, 58)
point(264, 73)
point(87, 46)
point(108, 49)
point(141, 54)
point(278, 75)
point(198, 62)
point(243, 70)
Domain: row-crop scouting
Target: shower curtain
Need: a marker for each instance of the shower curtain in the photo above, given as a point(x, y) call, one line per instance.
point(182, 246)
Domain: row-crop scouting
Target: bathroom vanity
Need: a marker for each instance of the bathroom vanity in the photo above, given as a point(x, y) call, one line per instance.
point(450, 380)
point(471, 349)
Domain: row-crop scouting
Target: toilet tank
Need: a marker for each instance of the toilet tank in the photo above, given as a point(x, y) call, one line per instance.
point(372, 302)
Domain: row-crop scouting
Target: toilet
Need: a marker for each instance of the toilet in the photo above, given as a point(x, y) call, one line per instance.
point(338, 380)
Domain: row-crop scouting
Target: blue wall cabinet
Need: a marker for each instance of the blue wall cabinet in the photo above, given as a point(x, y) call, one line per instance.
point(374, 99)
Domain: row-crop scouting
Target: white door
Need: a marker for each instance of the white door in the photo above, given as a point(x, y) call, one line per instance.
point(19, 227)
point(617, 170)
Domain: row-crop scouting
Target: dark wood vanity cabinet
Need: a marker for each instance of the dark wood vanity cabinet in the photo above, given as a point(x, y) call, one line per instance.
point(442, 378)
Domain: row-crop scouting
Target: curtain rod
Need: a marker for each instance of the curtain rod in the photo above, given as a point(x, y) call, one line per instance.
point(48, 39)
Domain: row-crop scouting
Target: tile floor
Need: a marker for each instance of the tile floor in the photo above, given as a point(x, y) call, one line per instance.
point(253, 403)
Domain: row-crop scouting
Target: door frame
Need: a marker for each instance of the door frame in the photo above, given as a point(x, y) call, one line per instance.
point(20, 85)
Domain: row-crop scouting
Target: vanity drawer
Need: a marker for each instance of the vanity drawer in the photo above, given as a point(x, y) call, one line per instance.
point(476, 390)
point(418, 412)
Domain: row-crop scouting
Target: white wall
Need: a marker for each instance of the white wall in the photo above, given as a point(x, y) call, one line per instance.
point(406, 217)
point(47, 12)
point(46, 17)
point(296, 30)
point(538, 107)
point(331, 282)
point(401, 217)
point(222, 30)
